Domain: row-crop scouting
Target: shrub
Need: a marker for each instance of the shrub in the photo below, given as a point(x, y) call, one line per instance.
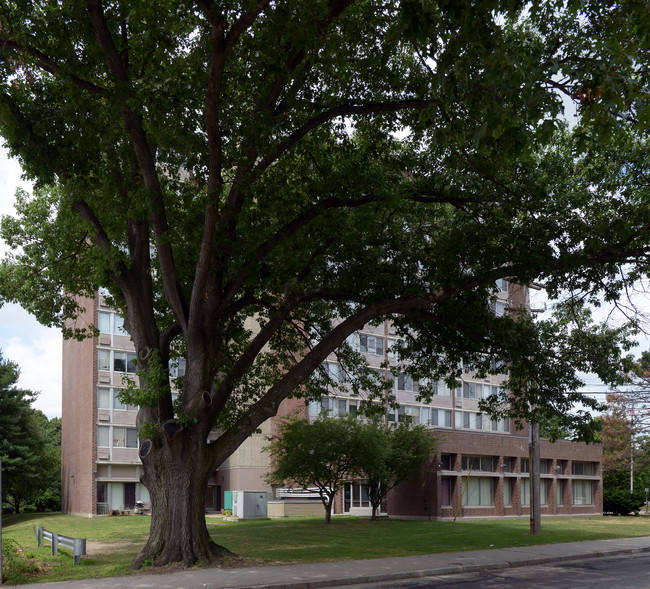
point(622, 502)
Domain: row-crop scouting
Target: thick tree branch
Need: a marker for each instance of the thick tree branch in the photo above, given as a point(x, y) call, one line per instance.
point(49, 65)
point(268, 404)
point(344, 110)
point(145, 159)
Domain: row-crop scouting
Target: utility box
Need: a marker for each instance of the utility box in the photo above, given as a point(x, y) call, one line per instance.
point(249, 504)
point(227, 500)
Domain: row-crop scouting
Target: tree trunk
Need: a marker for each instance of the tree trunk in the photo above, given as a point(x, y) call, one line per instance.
point(328, 508)
point(375, 506)
point(176, 478)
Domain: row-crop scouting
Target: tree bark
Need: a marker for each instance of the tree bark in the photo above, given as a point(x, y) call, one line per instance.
point(328, 508)
point(175, 474)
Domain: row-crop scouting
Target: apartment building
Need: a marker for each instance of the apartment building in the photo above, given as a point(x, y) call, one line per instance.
point(480, 470)
point(99, 438)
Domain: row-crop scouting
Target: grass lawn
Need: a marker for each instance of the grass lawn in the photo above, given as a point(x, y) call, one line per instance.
point(113, 541)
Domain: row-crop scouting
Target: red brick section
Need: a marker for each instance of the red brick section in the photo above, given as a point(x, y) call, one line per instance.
point(421, 497)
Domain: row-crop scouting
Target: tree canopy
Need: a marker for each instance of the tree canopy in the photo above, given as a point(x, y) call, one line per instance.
point(30, 447)
point(392, 455)
point(254, 180)
point(322, 454)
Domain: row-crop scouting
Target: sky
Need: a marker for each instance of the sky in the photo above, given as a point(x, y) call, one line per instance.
point(35, 348)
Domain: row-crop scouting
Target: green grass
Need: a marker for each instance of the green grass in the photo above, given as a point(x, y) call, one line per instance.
point(294, 540)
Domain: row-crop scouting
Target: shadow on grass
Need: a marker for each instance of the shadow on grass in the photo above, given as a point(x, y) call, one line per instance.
point(19, 518)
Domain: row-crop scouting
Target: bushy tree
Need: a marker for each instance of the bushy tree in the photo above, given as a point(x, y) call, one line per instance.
point(30, 450)
point(391, 455)
point(255, 180)
point(322, 454)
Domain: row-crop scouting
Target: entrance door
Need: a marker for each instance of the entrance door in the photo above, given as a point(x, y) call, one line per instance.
point(129, 495)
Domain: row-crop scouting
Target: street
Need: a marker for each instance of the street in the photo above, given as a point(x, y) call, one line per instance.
point(630, 571)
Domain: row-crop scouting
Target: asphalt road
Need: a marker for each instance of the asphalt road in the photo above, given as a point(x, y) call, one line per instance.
point(620, 572)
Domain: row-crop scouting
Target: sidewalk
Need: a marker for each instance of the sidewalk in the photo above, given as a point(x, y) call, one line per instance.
point(339, 574)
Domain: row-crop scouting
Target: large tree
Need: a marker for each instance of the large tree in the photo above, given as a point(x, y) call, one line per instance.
point(254, 180)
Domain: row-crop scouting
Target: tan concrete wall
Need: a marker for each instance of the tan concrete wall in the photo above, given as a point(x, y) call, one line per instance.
point(295, 509)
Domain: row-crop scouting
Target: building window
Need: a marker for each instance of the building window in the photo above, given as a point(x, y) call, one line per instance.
point(502, 285)
point(334, 371)
point(108, 398)
point(583, 492)
point(177, 367)
point(445, 461)
point(559, 490)
point(498, 308)
point(371, 344)
point(103, 436)
point(392, 347)
point(507, 491)
point(478, 463)
point(525, 492)
point(435, 417)
point(442, 389)
point(118, 325)
point(118, 404)
point(408, 414)
point(125, 437)
point(445, 491)
point(472, 390)
point(404, 382)
point(525, 465)
point(356, 495)
point(582, 468)
point(124, 362)
point(333, 407)
point(478, 492)
point(103, 398)
point(104, 322)
point(101, 492)
point(104, 360)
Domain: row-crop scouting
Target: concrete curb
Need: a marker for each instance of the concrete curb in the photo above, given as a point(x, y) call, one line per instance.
point(360, 572)
point(447, 570)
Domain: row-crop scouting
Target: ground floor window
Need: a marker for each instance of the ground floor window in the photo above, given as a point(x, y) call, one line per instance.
point(356, 495)
point(445, 491)
point(525, 492)
point(119, 496)
point(507, 491)
point(479, 491)
point(101, 492)
point(583, 492)
point(559, 490)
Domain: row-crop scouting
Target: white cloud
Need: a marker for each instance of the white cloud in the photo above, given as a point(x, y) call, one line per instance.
point(35, 348)
point(37, 351)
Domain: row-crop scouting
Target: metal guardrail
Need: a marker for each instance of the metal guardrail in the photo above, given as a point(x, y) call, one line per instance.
point(77, 545)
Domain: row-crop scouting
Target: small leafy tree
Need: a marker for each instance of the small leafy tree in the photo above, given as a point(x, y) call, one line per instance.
point(321, 454)
point(392, 455)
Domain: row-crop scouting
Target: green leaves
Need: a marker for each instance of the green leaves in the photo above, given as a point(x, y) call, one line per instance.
point(254, 182)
